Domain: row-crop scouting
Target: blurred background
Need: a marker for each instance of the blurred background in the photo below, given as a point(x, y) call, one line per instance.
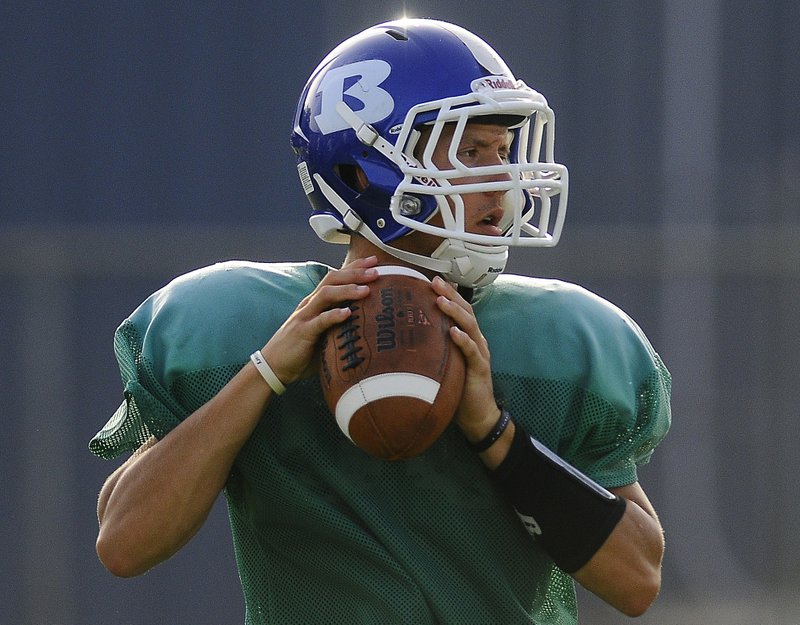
point(139, 140)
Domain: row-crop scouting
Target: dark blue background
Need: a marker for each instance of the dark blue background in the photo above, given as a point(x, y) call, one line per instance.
point(139, 140)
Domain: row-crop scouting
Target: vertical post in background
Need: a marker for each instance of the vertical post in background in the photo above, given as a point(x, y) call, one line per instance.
point(697, 545)
point(45, 433)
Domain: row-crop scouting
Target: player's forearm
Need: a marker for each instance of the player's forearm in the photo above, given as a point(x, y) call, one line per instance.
point(626, 571)
point(154, 505)
point(610, 542)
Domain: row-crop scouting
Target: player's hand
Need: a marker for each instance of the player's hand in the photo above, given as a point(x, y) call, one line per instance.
point(292, 349)
point(478, 411)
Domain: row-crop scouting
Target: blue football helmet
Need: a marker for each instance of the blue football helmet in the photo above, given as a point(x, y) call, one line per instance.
point(364, 107)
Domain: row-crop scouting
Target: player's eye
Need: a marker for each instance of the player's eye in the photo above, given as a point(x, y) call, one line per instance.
point(468, 154)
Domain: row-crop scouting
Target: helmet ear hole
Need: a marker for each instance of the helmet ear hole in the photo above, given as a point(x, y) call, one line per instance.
point(353, 176)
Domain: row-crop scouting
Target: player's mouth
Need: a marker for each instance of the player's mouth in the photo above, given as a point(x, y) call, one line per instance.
point(489, 223)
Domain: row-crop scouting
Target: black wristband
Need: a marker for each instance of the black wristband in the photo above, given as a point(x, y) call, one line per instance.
point(497, 432)
point(567, 512)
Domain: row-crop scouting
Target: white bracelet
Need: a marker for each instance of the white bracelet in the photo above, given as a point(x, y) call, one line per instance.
point(267, 373)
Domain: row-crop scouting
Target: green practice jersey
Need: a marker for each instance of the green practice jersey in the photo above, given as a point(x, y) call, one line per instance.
point(324, 533)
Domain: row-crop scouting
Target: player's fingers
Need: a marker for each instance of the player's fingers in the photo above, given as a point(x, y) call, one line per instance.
point(327, 319)
point(468, 325)
point(476, 351)
point(291, 348)
point(360, 271)
point(460, 311)
point(342, 285)
point(468, 347)
point(444, 288)
point(327, 296)
point(478, 393)
point(461, 317)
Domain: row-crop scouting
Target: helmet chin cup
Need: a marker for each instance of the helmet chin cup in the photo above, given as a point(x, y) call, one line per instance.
point(472, 265)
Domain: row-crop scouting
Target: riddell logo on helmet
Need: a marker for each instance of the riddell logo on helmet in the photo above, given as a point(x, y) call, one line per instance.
point(493, 82)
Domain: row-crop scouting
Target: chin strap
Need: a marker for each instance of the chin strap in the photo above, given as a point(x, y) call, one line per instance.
point(356, 224)
point(467, 264)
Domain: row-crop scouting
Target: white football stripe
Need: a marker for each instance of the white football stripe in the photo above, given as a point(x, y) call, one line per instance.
point(379, 387)
point(397, 270)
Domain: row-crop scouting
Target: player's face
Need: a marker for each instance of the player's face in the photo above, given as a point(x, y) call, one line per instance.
point(481, 145)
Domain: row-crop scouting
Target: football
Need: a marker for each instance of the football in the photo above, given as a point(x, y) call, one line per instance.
point(390, 373)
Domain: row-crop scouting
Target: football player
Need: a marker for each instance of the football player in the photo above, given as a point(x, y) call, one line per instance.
point(415, 145)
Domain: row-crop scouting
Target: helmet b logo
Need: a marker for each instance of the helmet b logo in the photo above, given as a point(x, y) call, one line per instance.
point(358, 81)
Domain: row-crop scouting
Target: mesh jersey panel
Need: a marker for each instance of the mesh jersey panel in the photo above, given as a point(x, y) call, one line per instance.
point(325, 534)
